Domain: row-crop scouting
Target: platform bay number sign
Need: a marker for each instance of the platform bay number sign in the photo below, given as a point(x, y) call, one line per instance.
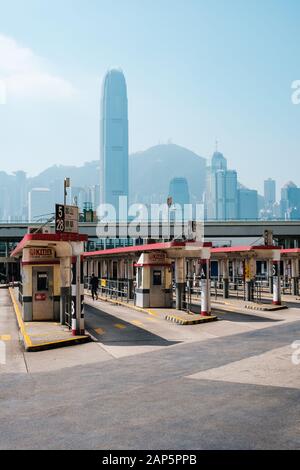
point(66, 219)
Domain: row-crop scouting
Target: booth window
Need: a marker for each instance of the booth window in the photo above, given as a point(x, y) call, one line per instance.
point(157, 278)
point(42, 281)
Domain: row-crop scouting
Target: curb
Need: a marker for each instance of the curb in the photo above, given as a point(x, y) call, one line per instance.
point(233, 309)
point(29, 346)
point(266, 309)
point(181, 321)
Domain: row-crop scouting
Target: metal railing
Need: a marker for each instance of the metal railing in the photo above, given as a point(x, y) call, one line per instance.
point(112, 289)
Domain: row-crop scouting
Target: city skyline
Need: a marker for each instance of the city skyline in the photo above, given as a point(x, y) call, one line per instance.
point(223, 194)
point(236, 91)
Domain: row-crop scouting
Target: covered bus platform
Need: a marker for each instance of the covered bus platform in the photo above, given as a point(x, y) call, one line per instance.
point(148, 274)
point(248, 268)
point(187, 275)
point(290, 270)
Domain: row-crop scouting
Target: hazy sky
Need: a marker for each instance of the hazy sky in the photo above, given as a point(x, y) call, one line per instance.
point(196, 71)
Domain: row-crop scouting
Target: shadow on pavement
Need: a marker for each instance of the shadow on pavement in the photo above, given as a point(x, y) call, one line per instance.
point(128, 333)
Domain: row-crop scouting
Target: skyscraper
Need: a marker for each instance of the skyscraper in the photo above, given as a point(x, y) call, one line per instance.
point(221, 190)
point(290, 201)
point(113, 139)
point(269, 193)
point(40, 206)
point(247, 204)
point(179, 192)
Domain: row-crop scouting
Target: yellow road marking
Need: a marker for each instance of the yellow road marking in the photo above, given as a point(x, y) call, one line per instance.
point(20, 320)
point(151, 312)
point(120, 326)
point(151, 319)
point(99, 331)
point(5, 337)
point(137, 322)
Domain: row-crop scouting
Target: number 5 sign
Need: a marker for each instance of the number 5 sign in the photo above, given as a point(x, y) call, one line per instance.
point(59, 218)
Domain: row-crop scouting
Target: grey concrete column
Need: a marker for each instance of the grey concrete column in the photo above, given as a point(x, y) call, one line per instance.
point(270, 276)
point(225, 269)
point(295, 276)
point(234, 274)
point(249, 291)
point(295, 286)
point(130, 278)
point(180, 281)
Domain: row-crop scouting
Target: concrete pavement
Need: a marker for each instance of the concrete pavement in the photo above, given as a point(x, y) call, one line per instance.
point(224, 385)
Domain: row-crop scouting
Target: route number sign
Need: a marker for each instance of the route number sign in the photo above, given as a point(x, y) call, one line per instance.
point(66, 219)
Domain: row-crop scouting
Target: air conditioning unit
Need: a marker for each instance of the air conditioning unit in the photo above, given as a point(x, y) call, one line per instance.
point(39, 229)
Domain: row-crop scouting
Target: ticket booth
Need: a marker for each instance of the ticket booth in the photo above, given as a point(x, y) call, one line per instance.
point(154, 280)
point(40, 284)
point(47, 262)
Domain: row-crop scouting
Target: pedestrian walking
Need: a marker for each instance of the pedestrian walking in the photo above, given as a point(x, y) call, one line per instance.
point(94, 287)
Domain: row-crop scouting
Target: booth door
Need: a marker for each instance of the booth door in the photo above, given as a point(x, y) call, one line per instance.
point(157, 292)
point(42, 293)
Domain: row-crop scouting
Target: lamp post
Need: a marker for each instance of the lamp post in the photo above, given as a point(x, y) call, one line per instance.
point(66, 185)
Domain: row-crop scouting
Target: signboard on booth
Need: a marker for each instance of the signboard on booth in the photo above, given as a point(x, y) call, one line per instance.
point(36, 254)
point(39, 297)
point(40, 253)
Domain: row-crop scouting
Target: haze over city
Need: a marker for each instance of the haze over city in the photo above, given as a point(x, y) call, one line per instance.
point(150, 230)
point(196, 72)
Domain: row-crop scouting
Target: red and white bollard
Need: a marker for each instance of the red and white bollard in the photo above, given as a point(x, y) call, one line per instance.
point(205, 288)
point(276, 283)
point(73, 298)
point(77, 305)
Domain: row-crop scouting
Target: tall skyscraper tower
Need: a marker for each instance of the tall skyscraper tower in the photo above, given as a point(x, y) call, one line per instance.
point(269, 193)
point(179, 191)
point(221, 190)
point(113, 139)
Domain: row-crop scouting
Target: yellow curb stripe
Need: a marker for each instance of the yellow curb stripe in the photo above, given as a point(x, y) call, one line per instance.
point(26, 337)
point(64, 341)
point(137, 322)
point(152, 313)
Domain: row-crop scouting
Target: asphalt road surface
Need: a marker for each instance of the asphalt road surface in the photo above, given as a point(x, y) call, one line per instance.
point(148, 384)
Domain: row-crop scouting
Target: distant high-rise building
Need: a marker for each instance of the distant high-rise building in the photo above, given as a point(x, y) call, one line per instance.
point(113, 139)
point(221, 190)
point(218, 161)
point(290, 202)
point(40, 205)
point(20, 195)
point(269, 193)
point(179, 192)
point(247, 204)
